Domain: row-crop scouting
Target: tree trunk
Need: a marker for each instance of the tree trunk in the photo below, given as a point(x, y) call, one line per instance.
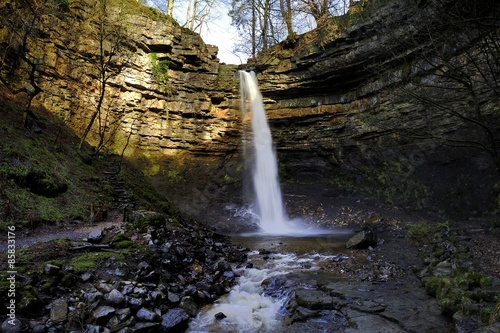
point(170, 7)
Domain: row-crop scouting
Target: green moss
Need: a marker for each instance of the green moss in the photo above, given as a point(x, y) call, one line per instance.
point(90, 261)
point(124, 244)
point(28, 298)
point(159, 69)
point(486, 314)
point(461, 290)
point(425, 232)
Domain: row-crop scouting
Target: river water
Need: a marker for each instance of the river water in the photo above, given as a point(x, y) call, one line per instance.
point(258, 302)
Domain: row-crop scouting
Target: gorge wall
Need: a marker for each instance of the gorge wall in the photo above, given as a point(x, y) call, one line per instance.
point(331, 96)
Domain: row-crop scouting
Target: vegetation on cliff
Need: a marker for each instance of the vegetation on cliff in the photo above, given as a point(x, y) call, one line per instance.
point(45, 179)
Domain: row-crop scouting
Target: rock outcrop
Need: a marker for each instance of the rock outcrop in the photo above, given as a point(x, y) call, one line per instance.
point(330, 95)
point(354, 108)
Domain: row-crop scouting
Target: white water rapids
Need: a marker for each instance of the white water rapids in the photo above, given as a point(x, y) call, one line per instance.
point(248, 309)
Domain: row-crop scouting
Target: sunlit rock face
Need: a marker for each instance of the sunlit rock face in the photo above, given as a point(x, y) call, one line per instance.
point(329, 97)
point(178, 130)
point(178, 115)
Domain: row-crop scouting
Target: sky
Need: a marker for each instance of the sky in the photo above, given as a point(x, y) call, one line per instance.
point(220, 33)
point(216, 31)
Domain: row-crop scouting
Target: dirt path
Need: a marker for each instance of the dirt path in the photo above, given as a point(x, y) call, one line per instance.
point(25, 237)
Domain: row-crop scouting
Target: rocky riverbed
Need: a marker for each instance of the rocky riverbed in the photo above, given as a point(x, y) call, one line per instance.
point(155, 275)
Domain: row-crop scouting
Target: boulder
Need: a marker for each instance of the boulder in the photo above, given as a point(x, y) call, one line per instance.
point(59, 310)
point(12, 326)
point(146, 315)
point(313, 299)
point(114, 297)
point(103, 313)
point(362, 240)
point(95, 236)
point(174, 320)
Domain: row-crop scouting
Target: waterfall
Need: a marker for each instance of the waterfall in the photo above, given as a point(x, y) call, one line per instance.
point(272, 218)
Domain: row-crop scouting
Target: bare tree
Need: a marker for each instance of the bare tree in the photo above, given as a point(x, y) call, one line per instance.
point(455, 75)
point(112, 57)
point(19, 51)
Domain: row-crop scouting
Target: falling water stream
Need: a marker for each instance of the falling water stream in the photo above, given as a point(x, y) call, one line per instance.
point(249, 308)
point(267, 189)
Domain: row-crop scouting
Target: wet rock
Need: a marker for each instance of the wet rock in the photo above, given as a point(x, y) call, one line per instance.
point(362, 240)
point(146, 315)
point(92, 297)
point(313, 299)
point(189, 306)
point(95, 236)
point(86, 277)
point(173, 297)
point(301, 313)
point(39, 328)
point(51, 270)
point(95, 329)
point(114, 297)
point(134, 302)
point(174, 320)
point(59, 310)
point(220, 315)
point(146, 327)
point(12, 326)
point(104, 287)
point(103, 313)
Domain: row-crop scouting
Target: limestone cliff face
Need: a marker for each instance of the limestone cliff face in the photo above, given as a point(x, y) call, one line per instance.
point(342, 111)
point(184, 113)
point(330, 98)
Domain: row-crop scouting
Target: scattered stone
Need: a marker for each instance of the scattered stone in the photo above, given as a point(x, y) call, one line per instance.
point(173, 297)
point(203, 286)
point(147, 327)
point(86, 277)
point(104, 287)
point(59, 310)
point(174, 320)
point(189, 305)
point(95, 236)
point(362, 240)
point(52, 270)
point(443, 268)
point(146, 315)
point(220, 315)
point(94, 329)
point(134, 302)
point(12, 326)
point(114, 297)
point(92, 297)
point(103, 313)
point(39, 328)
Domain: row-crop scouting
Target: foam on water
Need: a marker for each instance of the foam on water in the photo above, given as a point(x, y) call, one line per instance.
point(247, 308)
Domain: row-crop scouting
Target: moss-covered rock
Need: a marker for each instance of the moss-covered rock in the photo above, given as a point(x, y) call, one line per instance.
point(140, 220)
